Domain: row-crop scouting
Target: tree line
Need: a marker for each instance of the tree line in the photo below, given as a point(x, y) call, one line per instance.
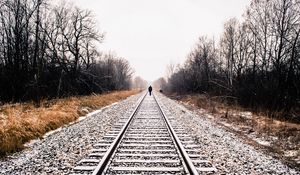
point(139, 83)
point(49, 51)
point(256, 61)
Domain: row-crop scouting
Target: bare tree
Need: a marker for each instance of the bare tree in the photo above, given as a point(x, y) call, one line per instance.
point(258, 59)
point(139, 83)
point(170, 70)
point(228, 46)
point(52, 51)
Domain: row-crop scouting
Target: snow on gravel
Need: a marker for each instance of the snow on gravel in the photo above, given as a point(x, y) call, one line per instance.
point(225, 150)
point(58, 152)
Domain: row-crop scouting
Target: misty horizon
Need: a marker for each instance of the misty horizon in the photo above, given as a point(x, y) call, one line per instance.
point(153, 34)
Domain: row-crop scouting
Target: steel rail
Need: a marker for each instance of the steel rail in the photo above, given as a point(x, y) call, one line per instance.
point(106, 158)
point(188, 162)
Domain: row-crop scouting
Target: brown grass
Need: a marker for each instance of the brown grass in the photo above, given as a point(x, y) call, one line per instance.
point(286, 134)
point(22, 122)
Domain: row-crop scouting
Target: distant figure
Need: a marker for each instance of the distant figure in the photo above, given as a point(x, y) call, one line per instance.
point(150, 89)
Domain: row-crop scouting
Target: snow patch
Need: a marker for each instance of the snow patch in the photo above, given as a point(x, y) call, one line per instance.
point(291, 153)
point(262, 142)
point(247, 115)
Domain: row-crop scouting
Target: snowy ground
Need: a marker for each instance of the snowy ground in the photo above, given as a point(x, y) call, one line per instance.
point(58, 152)
point(227, 152)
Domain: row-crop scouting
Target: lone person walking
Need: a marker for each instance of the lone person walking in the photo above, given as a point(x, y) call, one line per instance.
point(150, 89)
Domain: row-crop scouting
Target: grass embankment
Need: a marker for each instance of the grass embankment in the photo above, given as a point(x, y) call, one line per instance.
point(22, 122)
point(257, 128)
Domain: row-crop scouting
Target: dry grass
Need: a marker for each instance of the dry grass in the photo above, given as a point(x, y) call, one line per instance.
point(283, 136)
point(22, 122)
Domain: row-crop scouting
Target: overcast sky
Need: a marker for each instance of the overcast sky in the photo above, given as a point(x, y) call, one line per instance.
point(152, 33)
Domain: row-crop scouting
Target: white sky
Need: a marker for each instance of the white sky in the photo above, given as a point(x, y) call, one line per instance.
point(152, 33)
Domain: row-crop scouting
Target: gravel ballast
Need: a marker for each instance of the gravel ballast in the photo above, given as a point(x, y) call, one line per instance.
point(58, 152)
point(225, 150)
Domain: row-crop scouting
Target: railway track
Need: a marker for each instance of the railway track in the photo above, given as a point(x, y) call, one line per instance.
point(146, 142)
